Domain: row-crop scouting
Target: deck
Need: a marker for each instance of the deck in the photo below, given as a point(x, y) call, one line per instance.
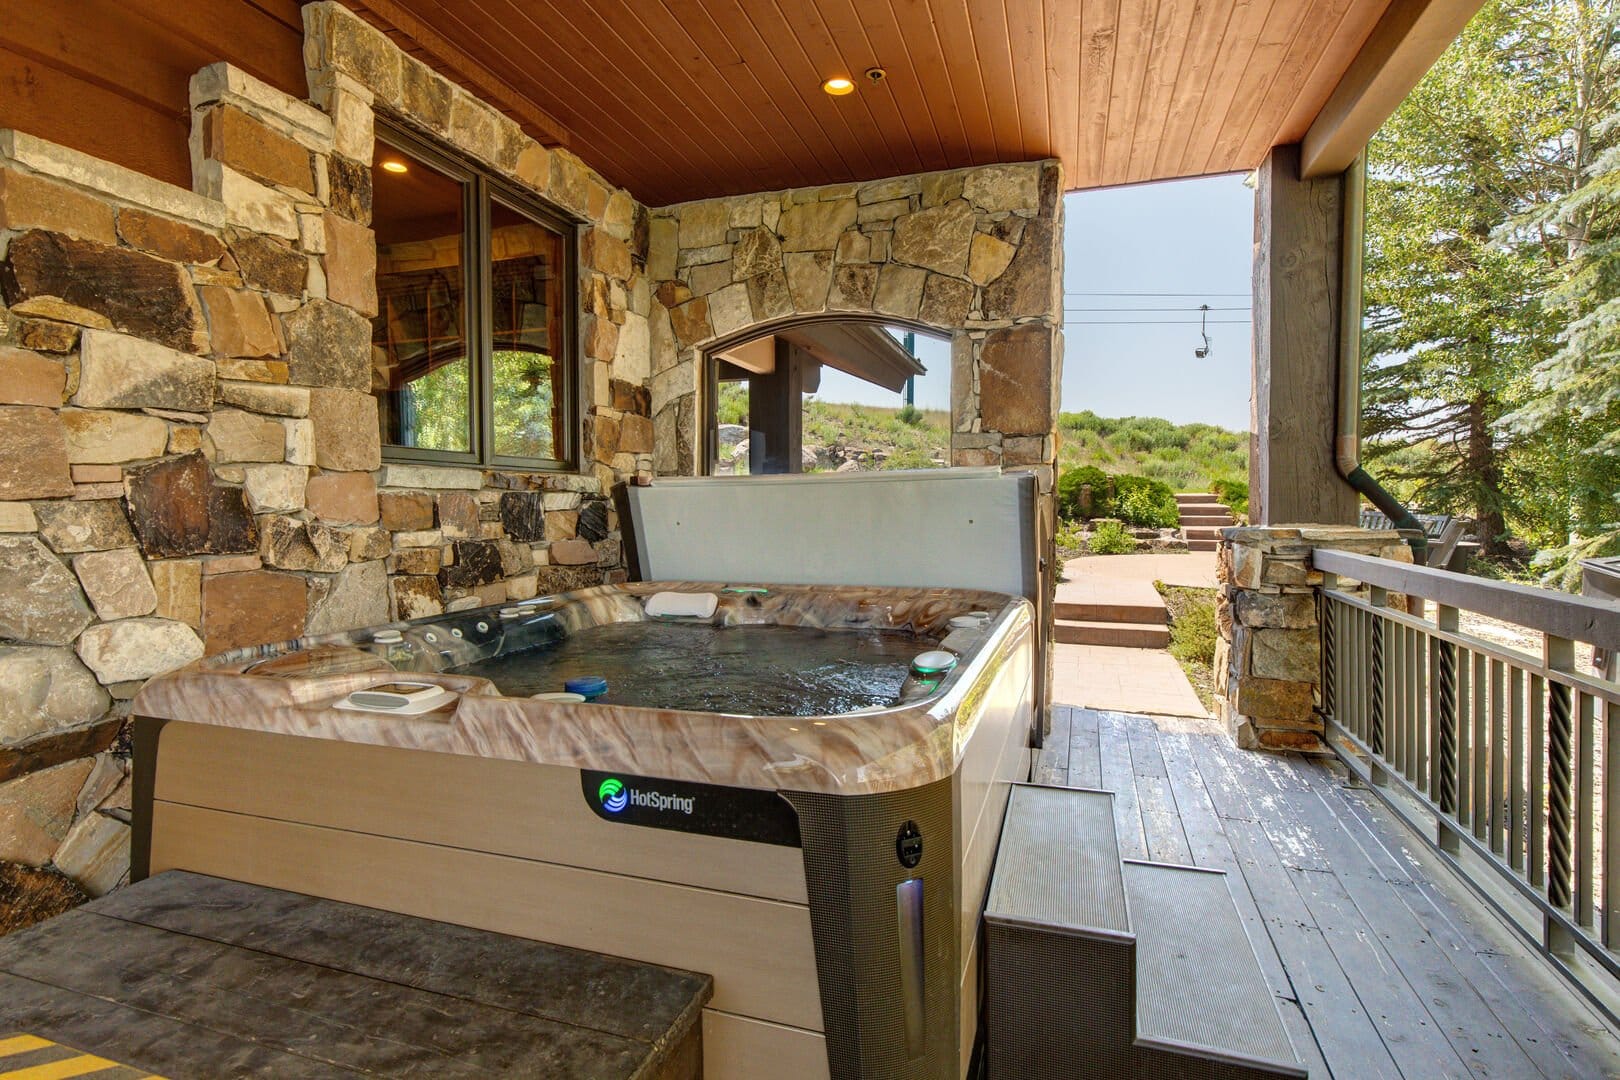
point(1385, 965)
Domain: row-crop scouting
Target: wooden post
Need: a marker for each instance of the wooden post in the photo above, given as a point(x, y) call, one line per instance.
point(1298, 255)
point(776, 413)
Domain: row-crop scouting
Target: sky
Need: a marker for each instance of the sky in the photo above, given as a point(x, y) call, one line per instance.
point(1191, 237)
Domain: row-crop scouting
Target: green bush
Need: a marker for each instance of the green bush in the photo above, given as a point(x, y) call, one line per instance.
point(1068, 492)
point(1192, 633)
point(1145, 502)
point(909, 415)
point(1234, 493)
point(1111, 538)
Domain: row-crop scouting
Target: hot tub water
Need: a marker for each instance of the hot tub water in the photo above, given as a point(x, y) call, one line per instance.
point(699, 667)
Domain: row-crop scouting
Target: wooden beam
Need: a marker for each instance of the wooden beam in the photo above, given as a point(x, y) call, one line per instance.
point(457, 64)
point(1400, 50)
point(1298, 238)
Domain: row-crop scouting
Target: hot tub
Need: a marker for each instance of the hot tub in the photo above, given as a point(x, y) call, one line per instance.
point(774, 795)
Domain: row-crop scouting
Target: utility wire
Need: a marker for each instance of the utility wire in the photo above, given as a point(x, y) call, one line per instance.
point(1151, 311)
point(1173, 295)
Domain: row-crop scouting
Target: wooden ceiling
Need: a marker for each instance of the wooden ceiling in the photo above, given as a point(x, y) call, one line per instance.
point(683, 99)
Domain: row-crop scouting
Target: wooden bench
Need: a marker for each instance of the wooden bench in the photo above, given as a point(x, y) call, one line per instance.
point(190, 976)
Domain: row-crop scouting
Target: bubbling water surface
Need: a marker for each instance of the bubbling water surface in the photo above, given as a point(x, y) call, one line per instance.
point(697, 667)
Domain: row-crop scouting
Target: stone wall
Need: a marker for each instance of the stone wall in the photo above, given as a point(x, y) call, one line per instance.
point(189, 451)
point(974, 254)
point(1268, 657)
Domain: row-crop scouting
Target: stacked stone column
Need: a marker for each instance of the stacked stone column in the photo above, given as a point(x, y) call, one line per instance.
point(1268, 658)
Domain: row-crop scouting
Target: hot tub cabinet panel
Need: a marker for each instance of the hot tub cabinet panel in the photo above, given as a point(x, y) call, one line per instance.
point(828, 872)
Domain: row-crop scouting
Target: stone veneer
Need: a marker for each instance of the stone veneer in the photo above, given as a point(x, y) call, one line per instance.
point(189, 453)
point(1268, 656)
point(974, 254)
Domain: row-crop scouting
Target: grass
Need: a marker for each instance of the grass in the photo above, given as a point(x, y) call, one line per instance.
point(1193, 635)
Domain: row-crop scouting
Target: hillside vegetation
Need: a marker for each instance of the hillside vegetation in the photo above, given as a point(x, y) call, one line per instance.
point(1187, 457)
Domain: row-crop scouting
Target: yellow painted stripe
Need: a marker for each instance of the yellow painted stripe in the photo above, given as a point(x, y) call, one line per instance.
point(58, 1070)
point(22, 1044)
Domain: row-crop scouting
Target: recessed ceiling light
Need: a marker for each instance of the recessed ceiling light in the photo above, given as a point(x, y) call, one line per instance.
point(395, 166)
point(838, 86)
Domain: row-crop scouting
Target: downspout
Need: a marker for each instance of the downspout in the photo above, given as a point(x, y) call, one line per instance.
point(1347, 438)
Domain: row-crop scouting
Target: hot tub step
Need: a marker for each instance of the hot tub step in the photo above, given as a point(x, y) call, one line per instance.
point(1122, 635)
point(1200, 995)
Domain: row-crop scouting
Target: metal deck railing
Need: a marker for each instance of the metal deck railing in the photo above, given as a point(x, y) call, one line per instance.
point(1500, 757)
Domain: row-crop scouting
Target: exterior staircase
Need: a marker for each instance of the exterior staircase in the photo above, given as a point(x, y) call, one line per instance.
point(1117, 969)
point(1124, 614)
point(1203, 516)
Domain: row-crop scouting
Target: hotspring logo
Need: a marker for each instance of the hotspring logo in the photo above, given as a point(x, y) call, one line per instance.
point(615, 797)
point(612, 795)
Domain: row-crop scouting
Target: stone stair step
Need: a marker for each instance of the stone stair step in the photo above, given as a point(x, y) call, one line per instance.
point(1203, 532)
point(1151, 614)
point(1120, 635)
point(1197, 497)
point(1217, 520)
point(1200, 993)
point(1202, 545)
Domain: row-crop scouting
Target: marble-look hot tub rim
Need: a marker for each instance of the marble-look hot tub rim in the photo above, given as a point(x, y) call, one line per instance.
point(874, 751)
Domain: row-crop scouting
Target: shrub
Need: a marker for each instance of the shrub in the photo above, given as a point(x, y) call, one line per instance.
point(1111, 538)
point(1068, 492)
point(1234, 493)
point(1192, 633)
point(1145, 502)
point(909, 415)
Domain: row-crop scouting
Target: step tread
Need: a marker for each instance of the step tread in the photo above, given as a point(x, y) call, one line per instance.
point(1058, 863)
point(1125, 614)
point(1124, 635)
point(1198, 983)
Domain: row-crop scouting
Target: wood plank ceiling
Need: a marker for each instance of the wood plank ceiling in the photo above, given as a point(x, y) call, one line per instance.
point(685, 99)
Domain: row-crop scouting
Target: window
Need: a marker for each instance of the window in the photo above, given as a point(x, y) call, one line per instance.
point(473, 342)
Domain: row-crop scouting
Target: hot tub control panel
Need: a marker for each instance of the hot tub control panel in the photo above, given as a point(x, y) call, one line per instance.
point(709, 809)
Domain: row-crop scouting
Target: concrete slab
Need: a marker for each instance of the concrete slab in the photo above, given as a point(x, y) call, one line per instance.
point(1193, 569)
point(1143, 681)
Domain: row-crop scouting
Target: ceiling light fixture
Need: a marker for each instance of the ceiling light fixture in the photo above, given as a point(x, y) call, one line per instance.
point(395, 166)
point(838, 86)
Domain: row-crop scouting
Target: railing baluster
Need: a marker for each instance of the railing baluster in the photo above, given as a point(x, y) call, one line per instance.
point(1537, 867)
point(1498, 756)
point(1516, 740)
point(1585, 808)
point(1445, 692)
point(1479, 773)
point(1611, 829)
point(1376, 629)
point(1560, 655)
point(1413, 685)
point(1328, 616)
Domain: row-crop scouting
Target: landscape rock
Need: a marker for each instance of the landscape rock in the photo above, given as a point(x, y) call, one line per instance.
point(255, 607)
point(121, 372)
point(936, 239)
point(133, 649)
point(177, 509)
point(136, 293)
point(27, 378)
point(328, 345)
point(45, 687)
point(358, 597)
point(243, 436)
point(347, 438)
point(239, 323)
point(40, 599)
point(96, 853)
point(89, 525)
point(116, 582)
point(37, 810)
point(34, 455)
point(346, 498)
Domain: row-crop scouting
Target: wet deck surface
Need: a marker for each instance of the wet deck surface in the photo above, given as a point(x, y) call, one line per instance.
point(1383, 963)
point(191, 976)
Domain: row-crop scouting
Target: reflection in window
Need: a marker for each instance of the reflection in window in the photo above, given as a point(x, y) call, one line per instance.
point(526, 293)
point(419, 341)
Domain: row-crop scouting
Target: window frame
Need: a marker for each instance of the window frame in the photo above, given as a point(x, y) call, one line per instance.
point(480, 189)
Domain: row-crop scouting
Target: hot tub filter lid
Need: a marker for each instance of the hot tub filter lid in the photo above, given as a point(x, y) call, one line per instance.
point(933, 662)
point(559, 698)
point(588, 685)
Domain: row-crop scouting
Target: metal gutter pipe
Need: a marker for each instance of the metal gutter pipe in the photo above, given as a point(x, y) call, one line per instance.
point(1347, 437)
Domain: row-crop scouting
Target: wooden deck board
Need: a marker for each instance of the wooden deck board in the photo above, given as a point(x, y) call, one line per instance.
point(1383, 963)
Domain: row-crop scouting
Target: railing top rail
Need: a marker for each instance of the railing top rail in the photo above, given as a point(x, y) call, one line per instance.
point(1578, 618)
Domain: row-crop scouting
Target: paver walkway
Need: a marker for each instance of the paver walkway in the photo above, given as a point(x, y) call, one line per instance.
point(1144, 681)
